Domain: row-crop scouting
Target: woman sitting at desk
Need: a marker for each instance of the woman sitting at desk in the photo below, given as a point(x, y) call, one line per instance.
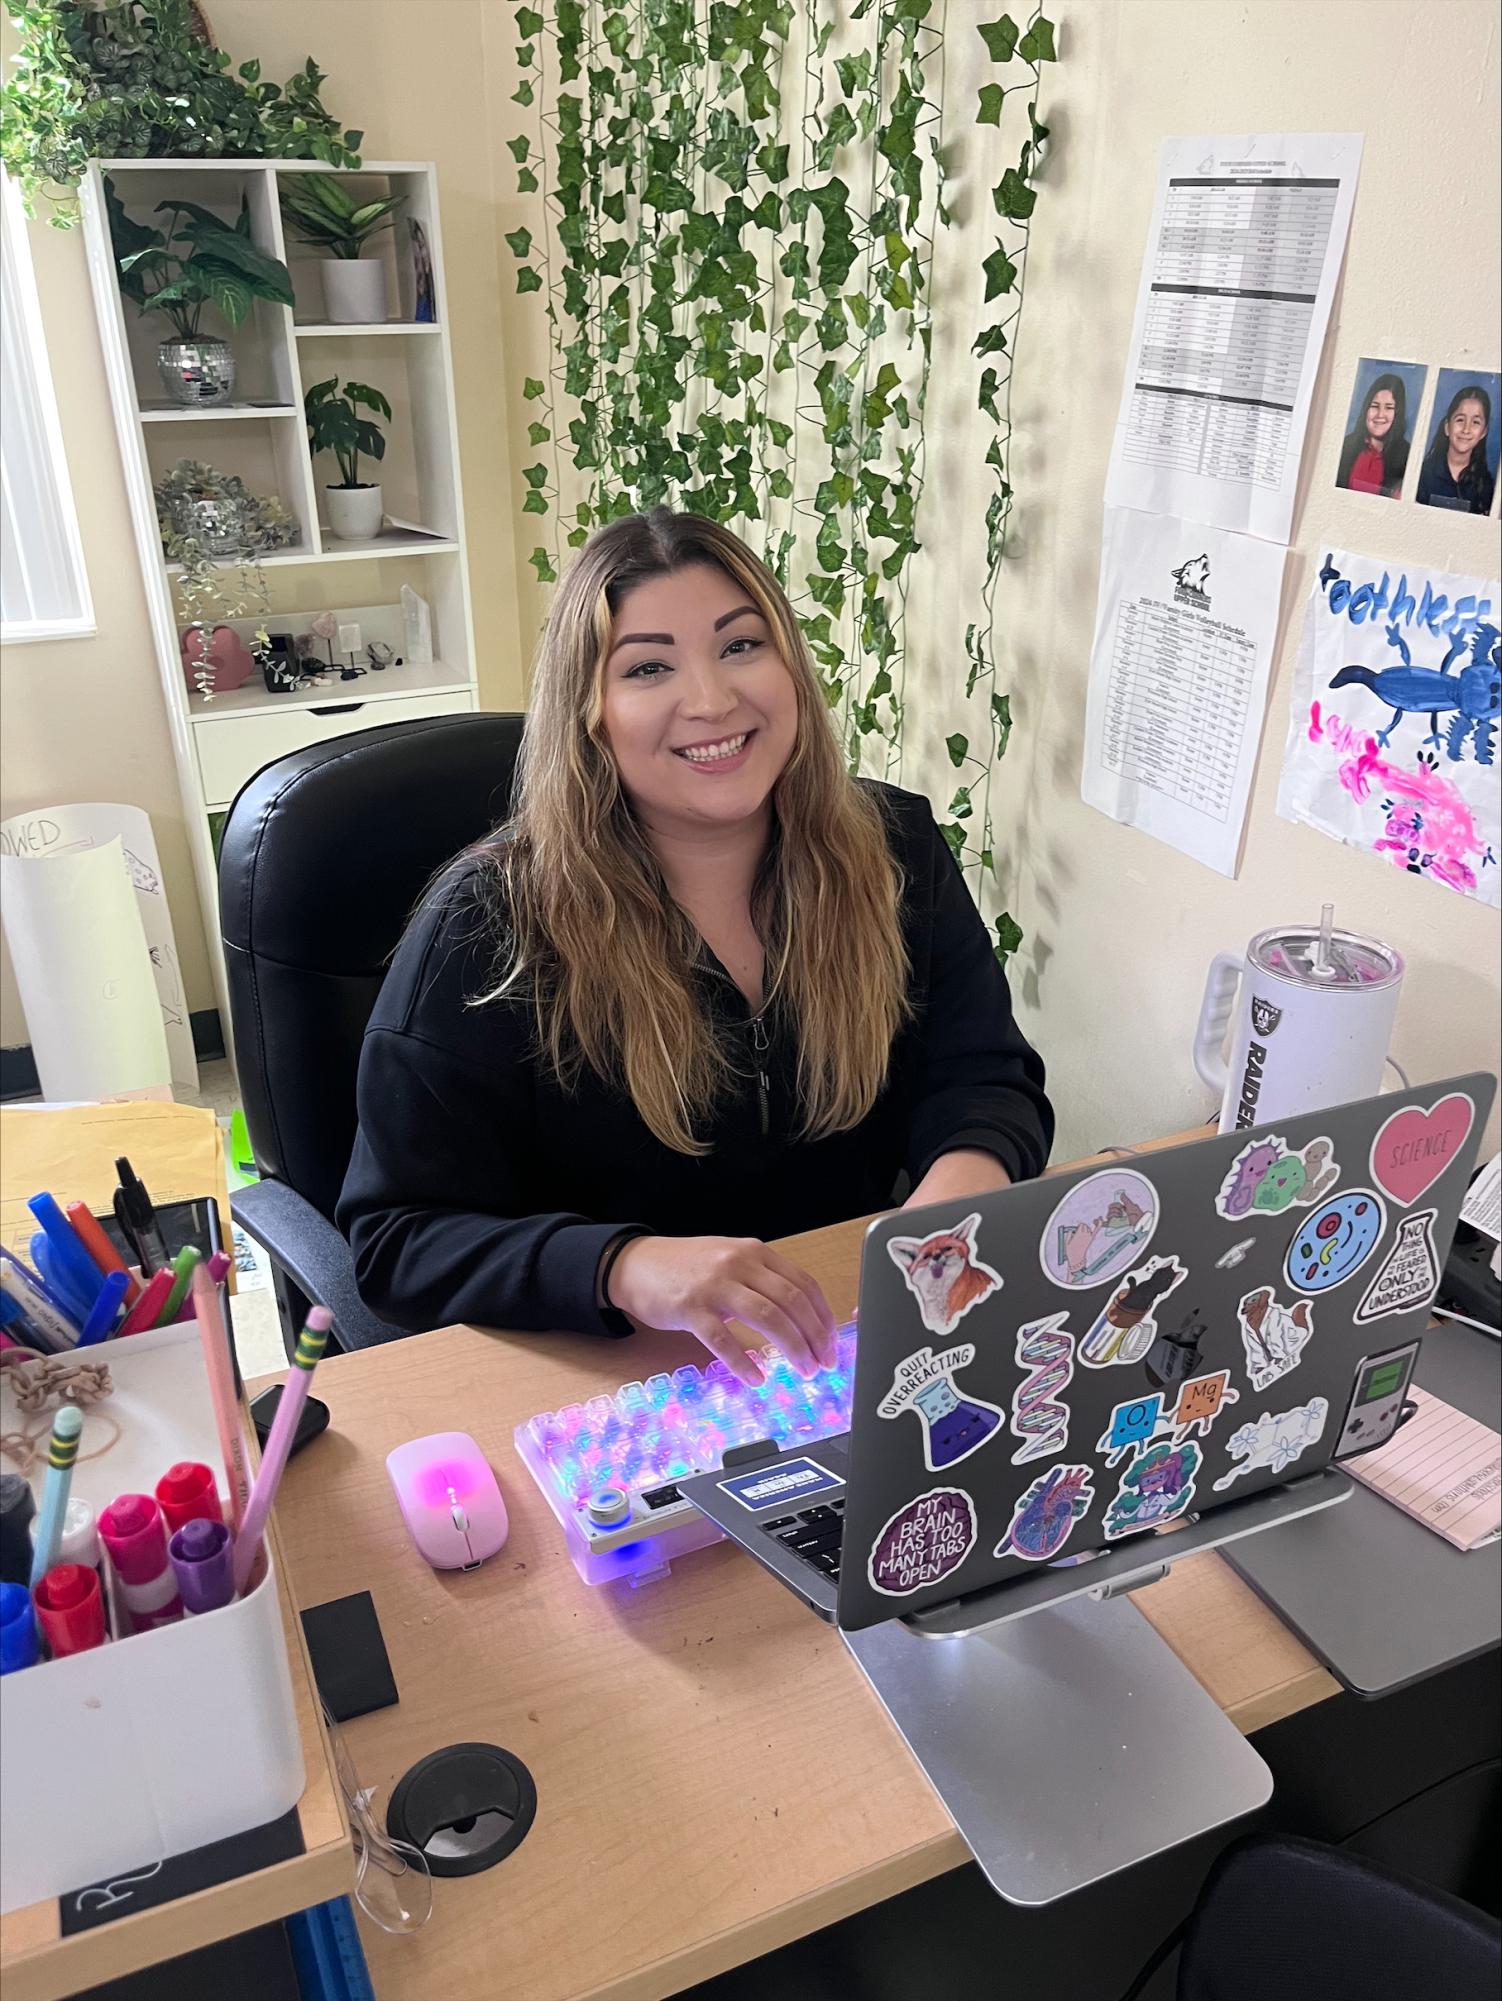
point(701, 983)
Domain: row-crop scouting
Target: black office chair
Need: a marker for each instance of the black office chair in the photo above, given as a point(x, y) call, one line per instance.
point(1283, 1919)
point(323, 856)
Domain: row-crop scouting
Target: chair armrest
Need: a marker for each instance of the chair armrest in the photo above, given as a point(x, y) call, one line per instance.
point(304, 1245)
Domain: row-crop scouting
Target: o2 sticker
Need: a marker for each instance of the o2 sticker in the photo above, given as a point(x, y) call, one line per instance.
point(1335, 1241)
point(1271, 1444)
point(954, 1424)
point(1410, 1276)
point(923, 1542)
point(1098, 1228)
point(1040, 1418)
point(1414, 1147)
point(1046, 1514)
point(1157, 1487)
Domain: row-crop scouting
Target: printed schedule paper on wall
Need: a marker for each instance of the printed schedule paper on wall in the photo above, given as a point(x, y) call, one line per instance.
point(1178, 679)
point(1243, 255)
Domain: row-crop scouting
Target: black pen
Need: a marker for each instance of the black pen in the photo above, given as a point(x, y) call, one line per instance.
point(137, 1218)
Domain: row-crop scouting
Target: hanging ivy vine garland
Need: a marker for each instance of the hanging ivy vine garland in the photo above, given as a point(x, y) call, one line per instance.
point(739, 204)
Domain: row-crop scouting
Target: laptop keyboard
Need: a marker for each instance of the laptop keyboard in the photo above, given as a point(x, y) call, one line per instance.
point(815, 1534)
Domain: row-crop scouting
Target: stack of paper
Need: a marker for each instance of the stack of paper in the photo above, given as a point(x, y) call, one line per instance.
point(1444, 1469)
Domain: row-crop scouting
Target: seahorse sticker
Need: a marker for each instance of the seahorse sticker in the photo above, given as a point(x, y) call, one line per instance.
point(944, 1273)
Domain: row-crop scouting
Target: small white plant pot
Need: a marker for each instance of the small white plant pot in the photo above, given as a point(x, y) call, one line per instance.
point(354, 291)
point(354, 512)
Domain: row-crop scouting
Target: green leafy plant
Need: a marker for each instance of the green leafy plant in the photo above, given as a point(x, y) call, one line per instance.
point(219, 572)
point(326, 216)
point(737, 212)
point(335, 425)
point(194, 263)
point(131, 79)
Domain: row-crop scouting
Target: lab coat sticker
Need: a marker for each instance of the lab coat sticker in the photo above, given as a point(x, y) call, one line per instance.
point(954, 1424)
point(1410, 1276)
point(1126, 1328)
point(1273, 1336)
point(1157, 1487)
point(1335, 1241)
point(1098, 1229)
point(1044, 1517)
point(945, 1274)
point(1266, 1178)
point(1414, 1147)
point(1040, 1417)
point(1272, 1444)
point(923, 1542)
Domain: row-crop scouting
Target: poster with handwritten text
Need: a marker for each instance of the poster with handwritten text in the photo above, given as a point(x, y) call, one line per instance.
point(1392, 735)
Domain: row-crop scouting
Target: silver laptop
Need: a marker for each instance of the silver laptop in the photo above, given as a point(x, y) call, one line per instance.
point(1044, 1373)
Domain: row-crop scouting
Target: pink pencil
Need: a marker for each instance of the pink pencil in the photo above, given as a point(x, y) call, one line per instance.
point(216, 1356)
point(310, 1347)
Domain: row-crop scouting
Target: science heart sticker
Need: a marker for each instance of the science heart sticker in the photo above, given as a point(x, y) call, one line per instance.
point(1046, 1514)
point(1266, 1178)
point(1414, 1147)
point(1098, 1228)
point(923, 1542)
point(1335, 1241)
point(1410, 1276)
point(944, 1273)
point(1039, 1417)
point(954, 1425)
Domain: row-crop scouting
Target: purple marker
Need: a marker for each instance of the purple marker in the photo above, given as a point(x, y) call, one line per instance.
point(202, 1554)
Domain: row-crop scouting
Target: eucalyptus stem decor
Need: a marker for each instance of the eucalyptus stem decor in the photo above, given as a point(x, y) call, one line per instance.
point(737, 213)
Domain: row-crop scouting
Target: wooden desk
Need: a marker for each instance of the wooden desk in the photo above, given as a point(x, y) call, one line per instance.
point(714, 1776)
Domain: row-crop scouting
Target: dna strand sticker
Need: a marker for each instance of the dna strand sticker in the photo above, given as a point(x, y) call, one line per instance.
point(1039, 1419)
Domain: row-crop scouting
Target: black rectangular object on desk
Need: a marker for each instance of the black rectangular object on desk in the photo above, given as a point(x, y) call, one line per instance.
point(255, 1966)
point(349, 1658)
point(131, 1890)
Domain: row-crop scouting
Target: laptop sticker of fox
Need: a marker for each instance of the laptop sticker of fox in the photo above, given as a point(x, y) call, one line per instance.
point(944, 1273)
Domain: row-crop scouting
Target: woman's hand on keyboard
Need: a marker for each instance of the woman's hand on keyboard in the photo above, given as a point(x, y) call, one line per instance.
point(703, 1284)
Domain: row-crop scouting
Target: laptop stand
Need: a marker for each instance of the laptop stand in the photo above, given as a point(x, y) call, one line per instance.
point(1065, 1738)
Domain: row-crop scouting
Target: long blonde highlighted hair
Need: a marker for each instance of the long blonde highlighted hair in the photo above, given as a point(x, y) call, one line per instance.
point(589, 931)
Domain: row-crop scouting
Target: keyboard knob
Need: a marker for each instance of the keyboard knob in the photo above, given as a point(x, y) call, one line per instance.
point(608, 1507)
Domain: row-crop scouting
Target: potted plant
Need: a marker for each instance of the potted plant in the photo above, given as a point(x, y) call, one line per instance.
point(322, 213)
point(335, 425)
point(199, 261)
point(217, 530)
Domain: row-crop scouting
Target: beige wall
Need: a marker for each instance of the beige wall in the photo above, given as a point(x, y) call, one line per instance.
point(85, 719)
point(1120, 929)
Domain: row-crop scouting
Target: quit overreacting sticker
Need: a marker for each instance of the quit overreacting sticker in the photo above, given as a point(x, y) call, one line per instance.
point(954, 1424)
point(923, 1542)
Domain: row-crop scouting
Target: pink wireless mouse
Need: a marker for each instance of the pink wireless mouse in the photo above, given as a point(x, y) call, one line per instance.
point(449, 1499)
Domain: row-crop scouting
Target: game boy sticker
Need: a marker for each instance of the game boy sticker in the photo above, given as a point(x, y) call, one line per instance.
point(1039, 1416)
point(1098, 1229)
point(1157, 1487)
point(1273, 1336)
point(1335, 1241)
point(787, 1484)
point(1272, 1444)
point(923, 1542)
point(1126, 1329)
point(945, 1274)
point(954, 1424)
point(1414, 1147)
point(1267, 1177)
point(1410, 1277)
point(1046, 1514)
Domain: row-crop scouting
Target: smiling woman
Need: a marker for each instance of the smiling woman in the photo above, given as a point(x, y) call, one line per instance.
point(704, 989)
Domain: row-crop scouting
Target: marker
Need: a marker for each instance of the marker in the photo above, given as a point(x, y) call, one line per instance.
point(106, 1308)
point(203, 1562)
point(91, 1235)
point(131, 1530)
point(310, 1346)
point(45, 1313)
point(218, 1267)
point(76, 1270)
point(17, 1512)
point(70, 1609)
point(61, 1452)
point(182, 1278)
point(18, 1628)
point(11, 1316)
point(187, 1493)
point(143, 1314)
point(221, 1374)
point(136, 1216)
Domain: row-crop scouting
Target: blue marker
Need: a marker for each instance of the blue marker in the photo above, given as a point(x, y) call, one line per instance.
point(69, 1260)
point(106, 1309)
point(61, 1453)
point(18, 1628)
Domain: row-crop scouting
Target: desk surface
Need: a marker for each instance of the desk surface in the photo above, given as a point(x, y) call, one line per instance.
point(714, 1776)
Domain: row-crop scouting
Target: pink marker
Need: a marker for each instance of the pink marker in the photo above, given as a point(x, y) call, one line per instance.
point(133, 1533)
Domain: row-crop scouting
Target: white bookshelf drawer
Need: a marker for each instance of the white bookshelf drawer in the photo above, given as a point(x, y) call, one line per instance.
point(231, 751)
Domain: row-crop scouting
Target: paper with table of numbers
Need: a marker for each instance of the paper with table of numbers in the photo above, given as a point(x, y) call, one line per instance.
point(1178, 679)
point(1243, 256)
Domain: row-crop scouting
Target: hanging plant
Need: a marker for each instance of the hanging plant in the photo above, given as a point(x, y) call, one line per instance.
point(217, 530)
point(736, 215)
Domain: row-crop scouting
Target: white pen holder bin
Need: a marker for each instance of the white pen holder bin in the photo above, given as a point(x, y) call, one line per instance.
point(113, 1760)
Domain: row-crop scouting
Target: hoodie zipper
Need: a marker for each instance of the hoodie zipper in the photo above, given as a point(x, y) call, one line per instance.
point(760, 1044)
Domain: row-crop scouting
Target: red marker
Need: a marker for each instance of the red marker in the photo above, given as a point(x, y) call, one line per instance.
point(132, 1532)
point(153, 1298)
point(186, 1493)
point(99, 1247)
point(70, 1609)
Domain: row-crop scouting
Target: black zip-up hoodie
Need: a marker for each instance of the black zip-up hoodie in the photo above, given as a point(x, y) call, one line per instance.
point(480, 1190)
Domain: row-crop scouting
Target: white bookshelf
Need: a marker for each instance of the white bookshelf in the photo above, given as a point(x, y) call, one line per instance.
point(280, 352)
